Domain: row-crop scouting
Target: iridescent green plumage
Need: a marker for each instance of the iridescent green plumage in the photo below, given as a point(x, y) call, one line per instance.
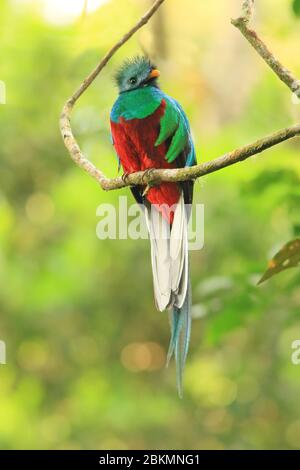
point(143, 102)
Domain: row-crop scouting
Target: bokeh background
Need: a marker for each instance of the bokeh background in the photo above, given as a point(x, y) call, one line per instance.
point(85, 346)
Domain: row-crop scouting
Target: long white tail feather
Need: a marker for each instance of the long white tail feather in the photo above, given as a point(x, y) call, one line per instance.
point(177, 227)
point(177, 242)
point(169, 256)
point(179, 254)
point(183, 286)
point(160, 257)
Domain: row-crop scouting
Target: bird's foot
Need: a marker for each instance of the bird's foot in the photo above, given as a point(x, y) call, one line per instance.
point(149, 185)
point(125, 177)
point(147, 173)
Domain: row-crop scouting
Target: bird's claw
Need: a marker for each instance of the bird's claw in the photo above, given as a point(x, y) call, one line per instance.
point(147, 173)
point(148, 185)
point(125, 177)
point(146, 190)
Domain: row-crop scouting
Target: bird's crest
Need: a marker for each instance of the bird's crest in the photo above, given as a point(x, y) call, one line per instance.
point(133, 66)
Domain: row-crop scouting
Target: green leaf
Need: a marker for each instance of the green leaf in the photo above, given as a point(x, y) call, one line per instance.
point(287, 257)
point(296, 7)
point(296, 230)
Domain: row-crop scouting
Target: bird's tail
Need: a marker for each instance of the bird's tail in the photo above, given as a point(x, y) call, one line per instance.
point(181, 322)
point(170, 267)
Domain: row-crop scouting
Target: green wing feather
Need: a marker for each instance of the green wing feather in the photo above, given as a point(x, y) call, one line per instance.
point(173, 123)
point(178, 143)
point(168, 124)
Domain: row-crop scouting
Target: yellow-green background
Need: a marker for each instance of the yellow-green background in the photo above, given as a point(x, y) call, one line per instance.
point(85, 345)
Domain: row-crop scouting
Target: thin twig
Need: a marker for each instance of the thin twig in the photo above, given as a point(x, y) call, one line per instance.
point(180, 174)
point(282, 72)
point(247, 9)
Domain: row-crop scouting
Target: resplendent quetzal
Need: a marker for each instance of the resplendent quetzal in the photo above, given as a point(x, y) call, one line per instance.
point(151, 130)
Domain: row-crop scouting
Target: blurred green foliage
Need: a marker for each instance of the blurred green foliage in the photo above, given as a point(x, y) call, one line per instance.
point(296, 7)
point(85, 345)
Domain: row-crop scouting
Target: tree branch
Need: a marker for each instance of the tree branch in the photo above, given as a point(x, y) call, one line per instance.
point(282, 73)
point(188, 173)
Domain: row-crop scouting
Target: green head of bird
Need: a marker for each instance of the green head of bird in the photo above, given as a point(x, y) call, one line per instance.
point(136, 73)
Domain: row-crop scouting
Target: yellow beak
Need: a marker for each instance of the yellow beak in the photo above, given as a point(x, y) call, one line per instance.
point(154, 74)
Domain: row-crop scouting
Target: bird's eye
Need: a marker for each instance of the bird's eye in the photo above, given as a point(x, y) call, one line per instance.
point(132, 80)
